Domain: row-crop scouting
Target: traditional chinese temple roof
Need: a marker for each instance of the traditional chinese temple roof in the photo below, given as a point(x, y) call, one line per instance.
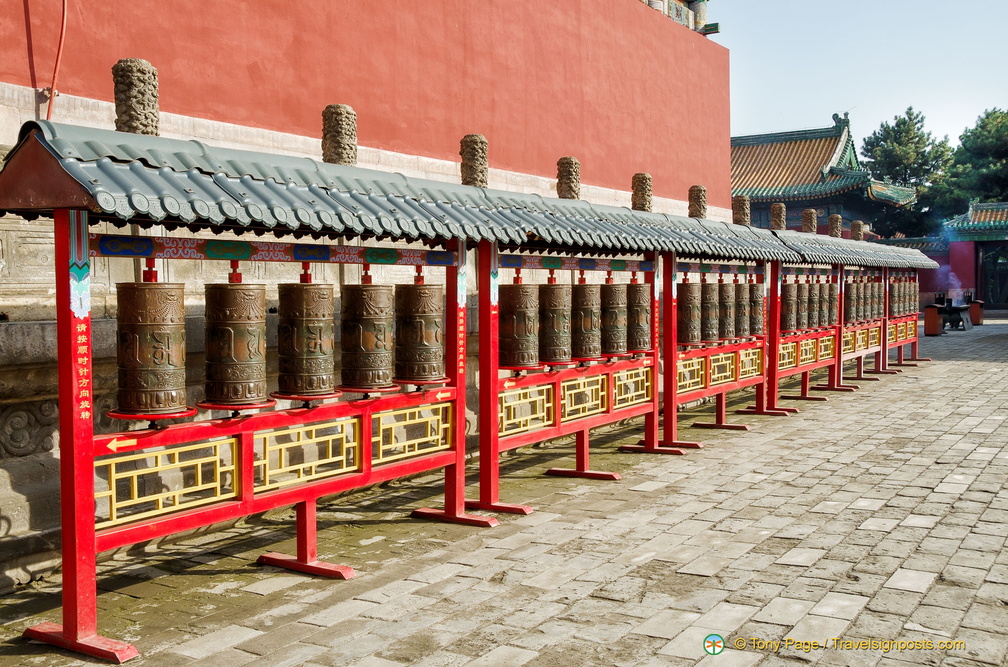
point(134, 179)
point(929, 245)
point(804, 165)
point(981, 222)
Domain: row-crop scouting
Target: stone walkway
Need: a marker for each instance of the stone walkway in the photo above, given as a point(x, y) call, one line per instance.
point(879, 515)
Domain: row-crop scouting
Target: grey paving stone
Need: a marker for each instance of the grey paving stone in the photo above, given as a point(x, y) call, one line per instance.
point(910, 580)
point(207, 645)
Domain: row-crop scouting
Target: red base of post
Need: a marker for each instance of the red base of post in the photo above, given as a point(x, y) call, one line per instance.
point(584, 474)
point(804, 395)
point(770, 412)
point(721, 417)
point(675, 448)
point(883, 371)
point(317, 568)
point(446, 517)
point(504, 508)
point(726, 426)
point(95, 646)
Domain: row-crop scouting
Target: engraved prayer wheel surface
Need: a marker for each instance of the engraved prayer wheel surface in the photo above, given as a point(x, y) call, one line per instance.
point(150, 350)
point(902, 297)
point(688, 320)
point(848, 304)
point(789, 307)
point(913, 305)
point(802, 306)
point(726, 310)
point(554, 324)
point(834, 303)
point(823, 305)
point(860, 300)
point(306, 339)
point(813, 305)
point(756, 309)
point(876, 299)
point(893, 297)
point(366, 328)
point(419, 339)
point(614, 319)
point(742, 310)
point(710, 327)
point(638, 317)
point(235, 344)
point(519, 326)
point(586, 322)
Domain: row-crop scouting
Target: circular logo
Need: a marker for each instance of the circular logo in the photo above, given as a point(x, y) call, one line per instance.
point(713, 644)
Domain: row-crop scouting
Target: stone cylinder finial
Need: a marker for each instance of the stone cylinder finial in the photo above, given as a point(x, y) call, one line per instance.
point(741, 213)
point(642, 192)
point(568, 178)
point(136, 96)
point(809, 221)
point(778, 216)
point(835, 225)
point(699, 9)
point(339, 135)
point(697, 201)
point(857, 230)
point(475, 166)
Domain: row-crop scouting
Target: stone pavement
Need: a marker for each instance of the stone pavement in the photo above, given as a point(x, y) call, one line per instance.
point(879, 515)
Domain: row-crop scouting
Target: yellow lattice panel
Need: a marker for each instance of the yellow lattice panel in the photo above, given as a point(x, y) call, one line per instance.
point(827, 348)
point(875, 336)
point(862, 339)
point(807, 351)
point(583, 397)
point(787, 357)
point(901, 331)
point(892, 333)
point(849, 339)
point(525, 409)
point(142, 485)
point(632, 387)
point(307, 452)
point(911, 329)
point(691, 374)
point(722, 368)
point(401, 434)
point(750, 363)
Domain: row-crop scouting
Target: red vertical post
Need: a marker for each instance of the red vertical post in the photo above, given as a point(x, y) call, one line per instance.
point(834, 380)
point(651, 419)
point(455, 367)
point(78, 631)
point(489, 370)
point(307, 531)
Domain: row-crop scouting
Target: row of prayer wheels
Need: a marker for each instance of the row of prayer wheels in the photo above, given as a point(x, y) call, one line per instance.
point(864, 299)
point(389, 335)
point(557, 324)
point(710, 312)
point(904, 296)
point(809, 304)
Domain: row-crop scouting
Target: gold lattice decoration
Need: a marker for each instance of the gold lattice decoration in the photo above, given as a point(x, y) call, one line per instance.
point(849, 340)
point(401, 434)
point(892, 332)
point(901, 331)
point(141, 485)
point(722, 368)
point(827, 347)
point(862, 339)
point(911, 329)
point(787, 357)
point(583, 397)
point(750, 363)
point(807, 351)
point(632, 387)
point(525, 409)
point(691, 374)
point(305, 453)
point(875, 336)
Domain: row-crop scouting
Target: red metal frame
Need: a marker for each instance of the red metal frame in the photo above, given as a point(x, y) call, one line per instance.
point(492, 444)
point(80, 449)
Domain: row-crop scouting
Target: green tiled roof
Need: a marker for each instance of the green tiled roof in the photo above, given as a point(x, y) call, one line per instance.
point(980, 222)
point(928, 245)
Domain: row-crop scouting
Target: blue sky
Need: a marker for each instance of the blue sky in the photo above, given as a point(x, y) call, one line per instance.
point(794, 63)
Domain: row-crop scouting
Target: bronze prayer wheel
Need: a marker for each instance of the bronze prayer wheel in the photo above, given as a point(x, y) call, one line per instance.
point(850, 316)
point(756, 309)
point(638, 317)
point(306, 339)
point(903, 300)
point(861, 299)
point(913, 304)
point(823, 305)
point(813, 304)
point(726, 310)
point(893, 298)
point(586, 322)
point(150, 350)
point(710, 329)
point(789, 307)
point(614, 319)
point(741, 310)
point(877, 299)
point(834, 303)
point(519, 326)
point(419, 339)
point(802, 305)
point(366, 328)
point(688, 320)
point(235, 344)
point(555, 324)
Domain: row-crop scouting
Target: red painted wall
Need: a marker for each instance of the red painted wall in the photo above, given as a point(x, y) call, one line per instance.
point(611, 82)
point(962, 260)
